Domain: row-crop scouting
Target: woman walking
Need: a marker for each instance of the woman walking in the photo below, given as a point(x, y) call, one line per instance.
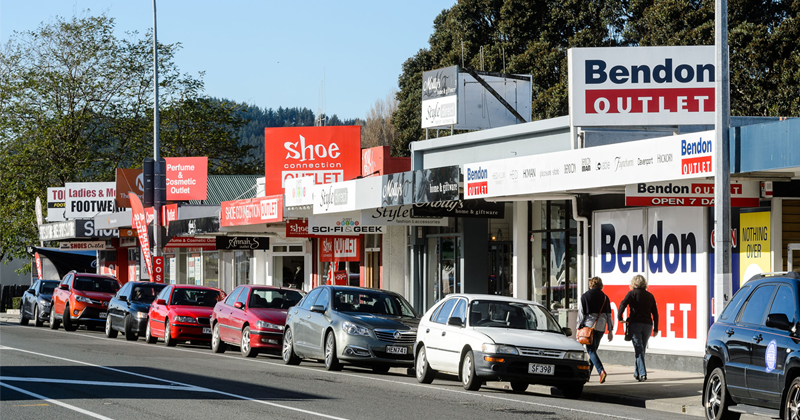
point(642, 322)
point(595, 311)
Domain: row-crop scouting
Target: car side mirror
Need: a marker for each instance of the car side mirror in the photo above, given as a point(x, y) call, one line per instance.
point(238, 305)
point(567, 331)
point(63, 286)
point(123, 298)
point(779, 321)
point(455, 321)
point(318, 309)
point(161, 302)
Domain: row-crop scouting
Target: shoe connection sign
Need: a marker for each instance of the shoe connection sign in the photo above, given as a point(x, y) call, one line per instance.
point(641, 85)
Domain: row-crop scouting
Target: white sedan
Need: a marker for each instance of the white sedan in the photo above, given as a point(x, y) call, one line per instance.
point(488, 337)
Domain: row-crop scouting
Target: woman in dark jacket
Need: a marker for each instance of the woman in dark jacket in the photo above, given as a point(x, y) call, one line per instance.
point(642, 322)
point(595, 310)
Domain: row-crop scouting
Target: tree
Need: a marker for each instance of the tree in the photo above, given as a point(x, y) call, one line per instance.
point(379, 128)
point(76, 103)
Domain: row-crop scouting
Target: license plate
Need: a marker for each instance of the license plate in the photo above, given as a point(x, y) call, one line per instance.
point(538, 369)
point(396, 350)
point(207, 330)
point(103, 314)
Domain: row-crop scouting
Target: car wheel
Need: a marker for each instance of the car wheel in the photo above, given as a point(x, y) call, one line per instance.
point(519, 387)
point(65, 318)
point(245, 347)
point(424, 372)
point(572, 392)
point(289, 357)
point(129, 334)
point(37, 320)
point(469, 380)
point(792, 409)
point(23, 320)
point(716, 399)
point(381, 368)
point(148, 335)
point(54, 323)
point(168, 340)
point(331, 360)
point(217, 345)
point(110, 331)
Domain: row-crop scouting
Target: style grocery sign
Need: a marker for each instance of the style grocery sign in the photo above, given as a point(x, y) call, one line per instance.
point(683, 156)
point(641, 85)
point(251, 211)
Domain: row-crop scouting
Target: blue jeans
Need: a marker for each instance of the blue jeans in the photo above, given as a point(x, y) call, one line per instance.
point(592, 350)
point(640, 333)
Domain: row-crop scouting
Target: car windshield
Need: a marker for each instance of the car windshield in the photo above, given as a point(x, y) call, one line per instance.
point(96, 284)
point(195, 297)
point(372, 302)
point(522, 316)
point(48, 287)
point(146, 293)
point(274, 299)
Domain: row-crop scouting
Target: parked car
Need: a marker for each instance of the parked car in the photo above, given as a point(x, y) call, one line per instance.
point(182, 312)
point(36, 301)
point(362, 327)
point(489, 337)
point(82, 299)
point(252, 317)
point(751, 362)
point(128, 309)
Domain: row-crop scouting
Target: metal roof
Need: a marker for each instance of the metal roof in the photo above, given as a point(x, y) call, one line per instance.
point(228, 187)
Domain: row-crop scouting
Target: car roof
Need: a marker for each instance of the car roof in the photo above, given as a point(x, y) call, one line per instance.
point(194, 287)
point(147, 283)
point(265, 287)
point(356, 288)
point(498, 298)
point(784, 276)
point(101, 276)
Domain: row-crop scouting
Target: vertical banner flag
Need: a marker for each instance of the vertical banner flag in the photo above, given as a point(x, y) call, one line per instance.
point(158, 269)
point(141, 228)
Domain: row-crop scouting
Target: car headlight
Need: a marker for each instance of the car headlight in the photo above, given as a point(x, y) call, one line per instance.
point(44, 302)
point(142, 315)
point(575, 355)
point(83, 299)
point(354, 329)
point(269, 326)
point(185, 319)
point(499, 349)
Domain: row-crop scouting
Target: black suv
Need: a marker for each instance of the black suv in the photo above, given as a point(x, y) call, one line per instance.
point(752, 360)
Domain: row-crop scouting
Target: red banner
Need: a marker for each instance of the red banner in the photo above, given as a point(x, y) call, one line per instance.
point(252, 211)
point(141, 228)
point(169, 213)
point(187, 178)
point(158, 269)
point(39, 266)
point(339, 248)
point(340, 278)
point(297, 229)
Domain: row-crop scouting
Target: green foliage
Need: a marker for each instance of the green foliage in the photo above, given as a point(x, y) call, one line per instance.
point(16, 303)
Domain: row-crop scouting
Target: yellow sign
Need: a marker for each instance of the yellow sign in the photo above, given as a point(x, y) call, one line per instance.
point(754, 248)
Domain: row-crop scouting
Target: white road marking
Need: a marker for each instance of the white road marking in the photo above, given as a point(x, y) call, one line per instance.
point(51, 401)
point(212, 391)
point(100, 383)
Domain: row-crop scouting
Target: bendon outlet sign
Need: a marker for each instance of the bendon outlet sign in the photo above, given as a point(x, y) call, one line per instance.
point(641, 85)
point(329, 154)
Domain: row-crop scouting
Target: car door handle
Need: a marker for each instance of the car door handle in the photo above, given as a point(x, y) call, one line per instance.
point(308, 316)
point(730, 331)
point(757, 338)
point(427, 330)
point(443, 333)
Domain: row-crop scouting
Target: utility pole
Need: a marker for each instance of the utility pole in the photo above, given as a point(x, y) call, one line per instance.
point(722, 169)
point(158, 175)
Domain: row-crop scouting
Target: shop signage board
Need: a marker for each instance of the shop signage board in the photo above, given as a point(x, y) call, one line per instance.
point(397, 189)
point(140, 223)
point(83, 246)
point(481, 209)
point(684, 156)
point(478, 109)
point(641, 85)
point(71, 229)
point(88, 199)
point(297, 228)
point(755, 249)
point(242, 242)
point(696, 192)
point(251, 211)
point(158, 269)
point(298, 192)
point(440, 97)
point(187, 178)
point(56, 203)
point(348, 223)
point(329, 154)
point(340, 278)
point(339, 248)
point(129, 181)
point(666, 245)
point(436, 184)
point(169, 213)
point(191, 227)
point(332, 198)
point(192, 242)
point(398, 216)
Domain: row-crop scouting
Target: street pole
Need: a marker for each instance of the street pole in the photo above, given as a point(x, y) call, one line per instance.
point(722, 174)
point(157, 166)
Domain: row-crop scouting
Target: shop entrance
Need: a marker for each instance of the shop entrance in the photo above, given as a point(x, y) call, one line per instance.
point(444, 273)
point(288, 265)
point(500, 274)
point(553, 249)
point(372, 263)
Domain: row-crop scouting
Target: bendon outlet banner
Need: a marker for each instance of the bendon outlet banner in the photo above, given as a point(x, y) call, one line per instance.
point(667, 246)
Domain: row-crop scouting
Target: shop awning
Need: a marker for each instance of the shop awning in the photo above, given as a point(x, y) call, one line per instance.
point(66, 261)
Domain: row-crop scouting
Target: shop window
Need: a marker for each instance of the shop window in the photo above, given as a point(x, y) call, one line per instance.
point(211, 269)
point(553, 247)
point(241, 261)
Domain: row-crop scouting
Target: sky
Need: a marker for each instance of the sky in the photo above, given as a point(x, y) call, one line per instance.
point(268, 53)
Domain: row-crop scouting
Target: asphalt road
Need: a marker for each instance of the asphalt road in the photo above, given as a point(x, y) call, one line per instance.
point(65, 375)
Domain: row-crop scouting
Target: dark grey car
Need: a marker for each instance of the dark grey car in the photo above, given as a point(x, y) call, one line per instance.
point(363, 327)
point(36, 302)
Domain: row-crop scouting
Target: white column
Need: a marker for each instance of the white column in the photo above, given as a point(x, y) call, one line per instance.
point(520, 248)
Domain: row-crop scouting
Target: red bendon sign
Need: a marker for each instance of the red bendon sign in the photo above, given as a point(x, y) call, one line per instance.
point(252, 211)
point(330, 154)
point(187, 178)
point(297, 229)
point(339, 248)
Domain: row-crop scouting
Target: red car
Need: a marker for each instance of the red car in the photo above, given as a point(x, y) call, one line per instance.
point(182, 312)
point(252, 317)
